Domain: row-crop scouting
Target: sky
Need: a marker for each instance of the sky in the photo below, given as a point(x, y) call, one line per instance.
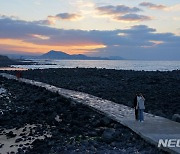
point(132, 29)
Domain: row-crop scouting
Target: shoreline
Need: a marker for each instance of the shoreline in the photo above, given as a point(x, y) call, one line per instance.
point(14, 68)
point(118, 65)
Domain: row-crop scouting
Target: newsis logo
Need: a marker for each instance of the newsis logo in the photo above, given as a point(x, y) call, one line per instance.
point(171, 143)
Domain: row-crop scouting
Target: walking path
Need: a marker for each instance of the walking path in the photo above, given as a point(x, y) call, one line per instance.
point(152, 129)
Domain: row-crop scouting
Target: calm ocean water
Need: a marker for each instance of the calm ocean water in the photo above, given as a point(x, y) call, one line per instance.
point(108, 64)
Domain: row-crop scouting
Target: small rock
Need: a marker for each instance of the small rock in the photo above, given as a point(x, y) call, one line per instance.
point(22, 134)
point(18, 140)
point(20, 151)
point(24, 148)
point(24, 129)
point(1, 145)
point(10, 134)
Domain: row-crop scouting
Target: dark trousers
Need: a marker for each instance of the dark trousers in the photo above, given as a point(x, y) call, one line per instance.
point(141, 115)
point(136, 114)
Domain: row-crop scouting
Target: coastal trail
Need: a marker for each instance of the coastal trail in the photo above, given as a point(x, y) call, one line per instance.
point(152, 129)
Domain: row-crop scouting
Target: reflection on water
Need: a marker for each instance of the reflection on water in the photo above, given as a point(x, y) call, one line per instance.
point(12, 69)
point(108, 64)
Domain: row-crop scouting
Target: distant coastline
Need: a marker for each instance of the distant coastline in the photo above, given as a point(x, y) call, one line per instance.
point(106, 64)
point(60, 55)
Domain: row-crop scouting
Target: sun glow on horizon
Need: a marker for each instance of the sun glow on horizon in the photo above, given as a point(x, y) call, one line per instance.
point(22, 46)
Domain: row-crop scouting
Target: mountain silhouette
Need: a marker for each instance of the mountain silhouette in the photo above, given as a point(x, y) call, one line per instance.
point(62, 55)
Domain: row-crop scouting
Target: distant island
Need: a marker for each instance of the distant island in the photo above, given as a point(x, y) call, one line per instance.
point(5, 61)
point(62, 55)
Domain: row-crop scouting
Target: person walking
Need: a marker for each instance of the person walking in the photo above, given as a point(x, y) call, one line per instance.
point(135, 109)
point(19, 74)
point(140, 107)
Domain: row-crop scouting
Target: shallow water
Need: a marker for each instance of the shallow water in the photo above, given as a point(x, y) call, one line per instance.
point(108, 64)
point(12, 69)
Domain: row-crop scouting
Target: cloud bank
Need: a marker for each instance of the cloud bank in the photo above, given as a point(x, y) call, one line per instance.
point(153, 6)
point(132, 17)
point(122, 13)
point(119, 9)
point(136, 42)
point(51, 20)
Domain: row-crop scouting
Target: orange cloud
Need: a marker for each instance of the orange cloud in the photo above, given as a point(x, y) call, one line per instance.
point(51, 20)
point(154, 44)
point(22, 46)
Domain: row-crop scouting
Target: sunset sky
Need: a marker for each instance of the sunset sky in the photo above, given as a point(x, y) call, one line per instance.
point(133, 29)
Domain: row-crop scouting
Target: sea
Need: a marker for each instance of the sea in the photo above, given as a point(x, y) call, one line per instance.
point(107, 64)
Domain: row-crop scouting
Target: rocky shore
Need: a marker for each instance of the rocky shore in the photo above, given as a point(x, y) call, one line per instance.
point(161, 89)
point(38, 121)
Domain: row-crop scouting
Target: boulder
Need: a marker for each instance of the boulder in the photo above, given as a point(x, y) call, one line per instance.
point(109, 135)
point(176, 117)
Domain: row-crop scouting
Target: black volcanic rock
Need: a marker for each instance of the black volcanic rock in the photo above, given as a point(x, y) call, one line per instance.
point(109, 135)
point(74, 134)
point(161, 89)
point(10, 134)
point(61, 55)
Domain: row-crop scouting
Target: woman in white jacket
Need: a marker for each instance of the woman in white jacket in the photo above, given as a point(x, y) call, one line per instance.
point(140, 107)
